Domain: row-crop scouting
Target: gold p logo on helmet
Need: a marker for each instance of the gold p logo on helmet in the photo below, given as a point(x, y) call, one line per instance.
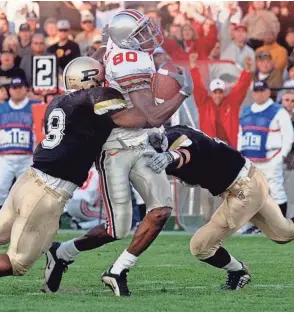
point(83, 73)
point(89, 74)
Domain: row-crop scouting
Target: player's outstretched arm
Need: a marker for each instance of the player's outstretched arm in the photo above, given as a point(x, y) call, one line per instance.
point(156, 115)
point(136, 118)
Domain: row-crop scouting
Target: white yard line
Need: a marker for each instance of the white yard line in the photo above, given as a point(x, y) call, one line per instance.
point(136, 289)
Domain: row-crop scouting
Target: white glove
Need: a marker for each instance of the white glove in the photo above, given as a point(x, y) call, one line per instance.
point(158, 141)
point(159, 161)
point(185, 81)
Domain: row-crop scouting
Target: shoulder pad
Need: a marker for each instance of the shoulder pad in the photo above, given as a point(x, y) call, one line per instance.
point(182, 141)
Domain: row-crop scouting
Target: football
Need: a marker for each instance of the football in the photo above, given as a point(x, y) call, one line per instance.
point(163, 86)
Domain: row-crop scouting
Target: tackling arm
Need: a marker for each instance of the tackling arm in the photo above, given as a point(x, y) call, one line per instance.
point(156, 115)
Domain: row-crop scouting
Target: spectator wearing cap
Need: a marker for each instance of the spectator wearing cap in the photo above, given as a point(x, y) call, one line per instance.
point(235, 48)
point(85, 38)
point(259, 22)
point(266, 71)
point(66, 49)
point(37, 48)
point(279, 54)
point(218, 111)
point(11, 43)
point(33, 20)
point(266, 137)
point(17, 138)
point(51, 31)
point(8, 70)
point(24, 37)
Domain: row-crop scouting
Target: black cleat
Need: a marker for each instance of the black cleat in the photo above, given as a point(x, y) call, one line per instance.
point(237, 279)
point(252, 230)
point(117, 283)
point(54, 270)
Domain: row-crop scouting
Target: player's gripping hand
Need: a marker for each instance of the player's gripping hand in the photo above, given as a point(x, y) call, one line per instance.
point(158, 141)
point(185, 81)
point(159, 161)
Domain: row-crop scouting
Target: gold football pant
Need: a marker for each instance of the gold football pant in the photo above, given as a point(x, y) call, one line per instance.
point(209, 204)
point(247, 200)
point(29, 219)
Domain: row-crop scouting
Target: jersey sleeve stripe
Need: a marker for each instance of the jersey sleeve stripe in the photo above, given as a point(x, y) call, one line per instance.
point(132, 77)
point(104, 106)
point(134, 84)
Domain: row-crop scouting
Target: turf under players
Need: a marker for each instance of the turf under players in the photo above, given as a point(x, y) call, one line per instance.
point(197, 159)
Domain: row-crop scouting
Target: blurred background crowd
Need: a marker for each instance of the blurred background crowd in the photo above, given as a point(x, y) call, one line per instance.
point(226, 45)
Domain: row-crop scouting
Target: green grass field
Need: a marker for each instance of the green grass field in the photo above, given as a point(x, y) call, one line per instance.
point(166, 278)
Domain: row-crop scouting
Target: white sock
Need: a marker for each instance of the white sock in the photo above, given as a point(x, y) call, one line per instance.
point(234, 265)
point(125, 261)
point(67, 251)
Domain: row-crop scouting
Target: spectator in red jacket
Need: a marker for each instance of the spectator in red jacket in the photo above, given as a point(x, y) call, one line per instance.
point(218, 112)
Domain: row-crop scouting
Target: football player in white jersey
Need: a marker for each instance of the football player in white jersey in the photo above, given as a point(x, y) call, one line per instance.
point(85, 207)
point(129, 67)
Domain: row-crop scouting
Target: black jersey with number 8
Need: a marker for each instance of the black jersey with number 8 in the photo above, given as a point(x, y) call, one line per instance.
point(213, 164)
point(75, 133)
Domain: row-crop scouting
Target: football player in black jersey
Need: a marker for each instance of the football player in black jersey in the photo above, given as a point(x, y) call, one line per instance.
point(78, 123)
point(196, 159)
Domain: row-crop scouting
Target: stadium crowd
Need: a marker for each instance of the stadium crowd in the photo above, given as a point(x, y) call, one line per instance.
point(228, 46)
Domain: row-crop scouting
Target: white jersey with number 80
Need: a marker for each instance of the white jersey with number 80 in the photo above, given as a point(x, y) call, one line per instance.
point(127, 71)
